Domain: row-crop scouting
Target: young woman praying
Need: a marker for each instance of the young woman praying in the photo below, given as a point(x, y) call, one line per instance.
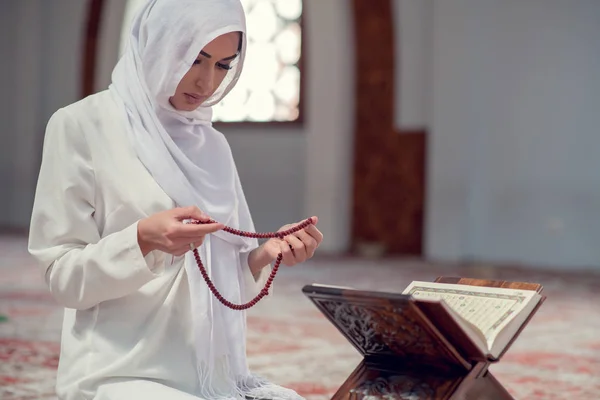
point(123, 173)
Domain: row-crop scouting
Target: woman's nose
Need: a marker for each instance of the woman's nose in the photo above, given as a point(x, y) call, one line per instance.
point(205, 82)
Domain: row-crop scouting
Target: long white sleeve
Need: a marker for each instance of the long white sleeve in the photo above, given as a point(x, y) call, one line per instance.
point(81, 268)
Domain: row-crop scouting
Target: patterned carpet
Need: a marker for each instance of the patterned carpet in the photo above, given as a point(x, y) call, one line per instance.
point(557, 357)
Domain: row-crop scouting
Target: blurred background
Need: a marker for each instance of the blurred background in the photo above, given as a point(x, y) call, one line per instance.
point(430, 137)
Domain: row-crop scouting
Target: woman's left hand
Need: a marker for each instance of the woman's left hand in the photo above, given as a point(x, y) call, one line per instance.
point(297, 247)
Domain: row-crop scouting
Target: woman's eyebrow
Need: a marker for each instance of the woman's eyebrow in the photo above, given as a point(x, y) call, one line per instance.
point(205, 54)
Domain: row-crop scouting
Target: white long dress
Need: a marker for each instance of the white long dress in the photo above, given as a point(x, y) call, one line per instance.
point(127, 331)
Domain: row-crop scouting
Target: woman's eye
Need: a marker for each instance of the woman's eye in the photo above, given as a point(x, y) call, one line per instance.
point(224, 66)
point(197, 62)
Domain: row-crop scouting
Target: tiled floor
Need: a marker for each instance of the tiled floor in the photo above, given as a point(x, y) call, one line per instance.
point(557, 357)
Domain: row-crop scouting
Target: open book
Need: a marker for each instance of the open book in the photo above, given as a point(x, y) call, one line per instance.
point(435, 340)
point(490, 316)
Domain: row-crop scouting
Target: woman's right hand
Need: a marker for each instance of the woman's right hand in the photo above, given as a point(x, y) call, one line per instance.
point(165, 231)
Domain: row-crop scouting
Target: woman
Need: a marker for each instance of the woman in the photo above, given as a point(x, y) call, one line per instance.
point(122, 172)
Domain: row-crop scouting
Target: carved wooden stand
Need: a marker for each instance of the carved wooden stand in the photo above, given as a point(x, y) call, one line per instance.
point(411, 349)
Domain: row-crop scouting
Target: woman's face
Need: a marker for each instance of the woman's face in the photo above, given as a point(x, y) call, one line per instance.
point(207, 73)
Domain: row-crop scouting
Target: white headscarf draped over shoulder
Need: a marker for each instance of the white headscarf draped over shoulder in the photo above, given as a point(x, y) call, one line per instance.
point(193, 164)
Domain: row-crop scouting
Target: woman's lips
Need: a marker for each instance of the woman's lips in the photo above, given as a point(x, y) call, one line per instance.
point(193, 98)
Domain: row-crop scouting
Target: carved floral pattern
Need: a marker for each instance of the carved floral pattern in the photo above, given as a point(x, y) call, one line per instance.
point(397, 387)
point(358, 323)
point(384, 329)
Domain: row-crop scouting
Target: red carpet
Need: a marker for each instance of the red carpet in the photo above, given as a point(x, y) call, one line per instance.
point(557, 357)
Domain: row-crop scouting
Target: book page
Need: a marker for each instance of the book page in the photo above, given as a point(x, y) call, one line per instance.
point(489, 309)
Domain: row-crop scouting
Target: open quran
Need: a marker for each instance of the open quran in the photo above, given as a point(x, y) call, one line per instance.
point(489, 316)
point(433, 340)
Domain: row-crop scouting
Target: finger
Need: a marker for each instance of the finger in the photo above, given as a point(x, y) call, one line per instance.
point(183, 242)
point(315, 233)
point(298, 248)
point(168, 246)
point(285, 227)
point(181, 251)
point(286, 252)
point(197, 230)
point(310, 243)
point(191, 212)
point(190, 244)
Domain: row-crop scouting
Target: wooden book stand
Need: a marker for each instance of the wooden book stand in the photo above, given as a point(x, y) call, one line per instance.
point(411, 349)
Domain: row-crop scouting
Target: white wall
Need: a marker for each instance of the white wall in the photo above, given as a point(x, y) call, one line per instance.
point(512, 105)
point(514, 172)
point(40, 46)
point(413, 54)
point(8, 71)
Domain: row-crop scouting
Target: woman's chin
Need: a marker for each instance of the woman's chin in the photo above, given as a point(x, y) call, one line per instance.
point(188, 108)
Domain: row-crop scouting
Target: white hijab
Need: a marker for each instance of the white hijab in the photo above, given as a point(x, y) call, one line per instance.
point(193, 164)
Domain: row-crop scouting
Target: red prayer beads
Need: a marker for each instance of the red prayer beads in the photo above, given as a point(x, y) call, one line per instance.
point(266, 235)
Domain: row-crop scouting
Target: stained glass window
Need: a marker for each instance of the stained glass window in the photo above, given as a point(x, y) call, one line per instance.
point(269, 87)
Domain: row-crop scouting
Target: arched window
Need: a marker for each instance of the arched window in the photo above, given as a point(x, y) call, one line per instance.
point(269, 89)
